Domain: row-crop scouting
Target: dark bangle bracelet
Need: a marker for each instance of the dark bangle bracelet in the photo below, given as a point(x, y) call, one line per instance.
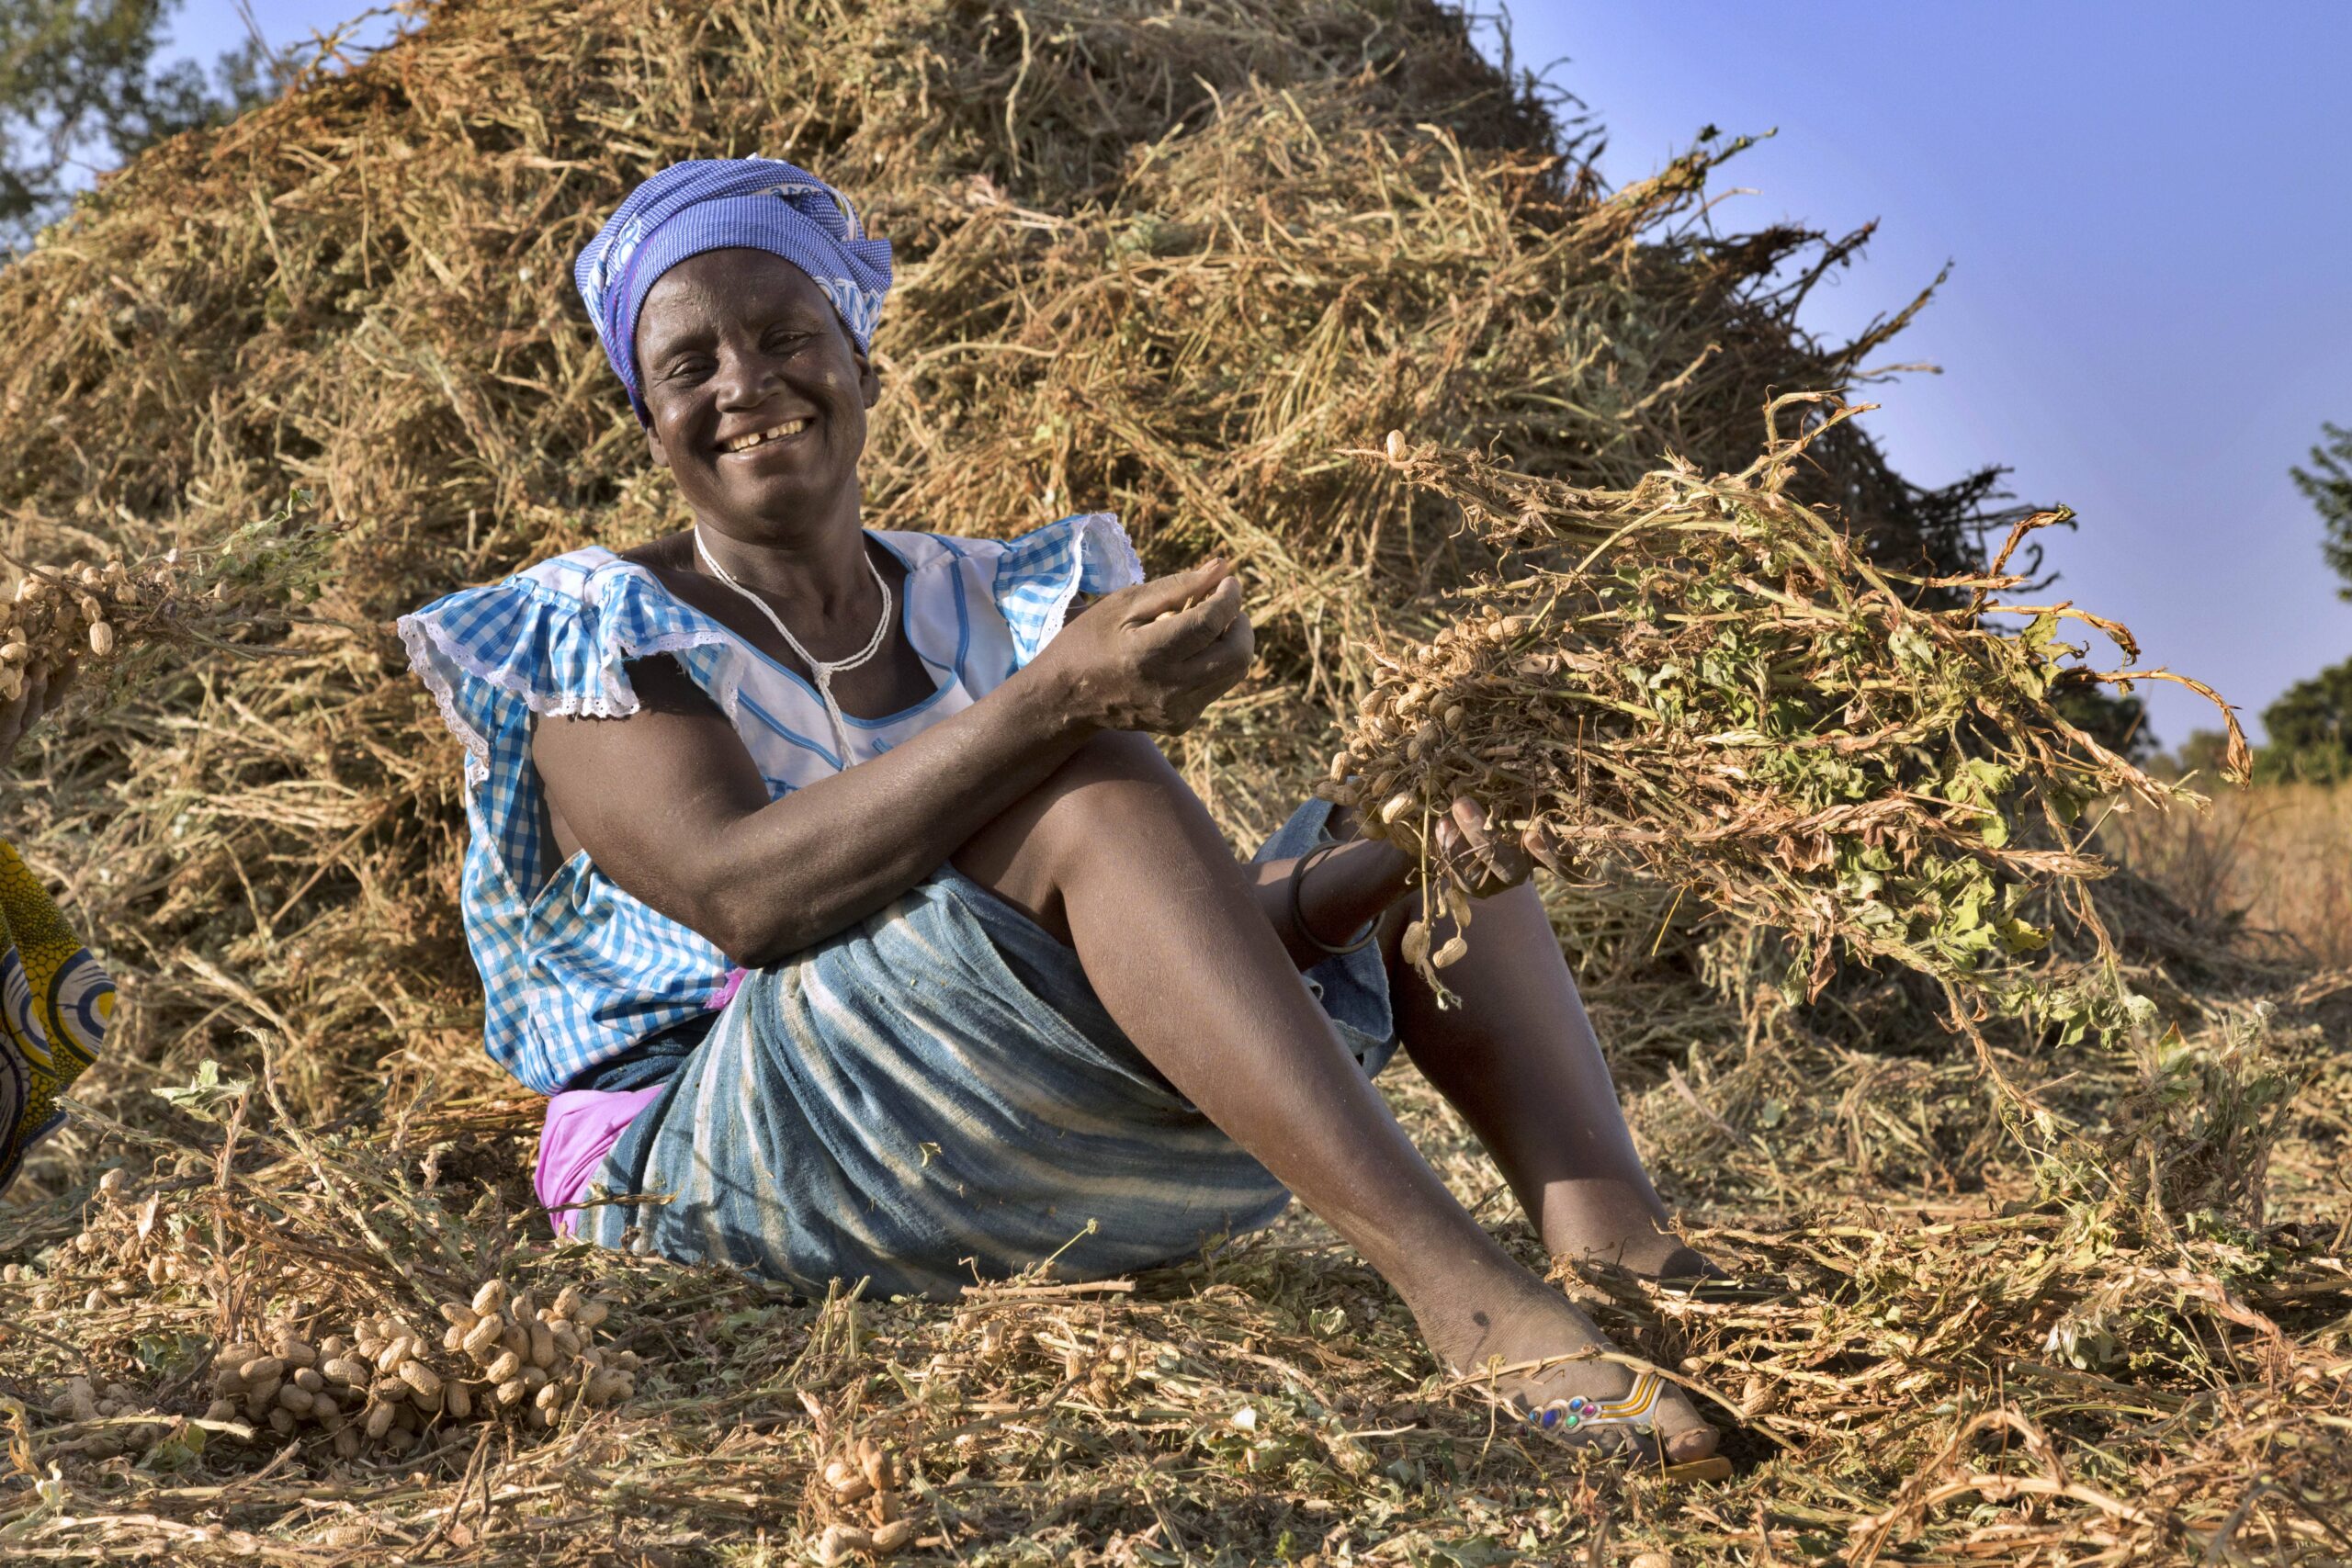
point(1298, 916)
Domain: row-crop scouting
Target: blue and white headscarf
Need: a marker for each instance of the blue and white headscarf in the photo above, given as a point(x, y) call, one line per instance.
point(710, 204)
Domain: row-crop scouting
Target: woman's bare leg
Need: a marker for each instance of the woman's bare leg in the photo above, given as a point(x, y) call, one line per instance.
point(1118, 858)
point(1518, 1057)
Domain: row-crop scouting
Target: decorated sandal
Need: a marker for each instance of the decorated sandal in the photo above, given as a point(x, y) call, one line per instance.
point(1623, 1426)
point(1578, 1413)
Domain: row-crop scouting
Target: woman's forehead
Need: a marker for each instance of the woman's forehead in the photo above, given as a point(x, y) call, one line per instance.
point(724, 284)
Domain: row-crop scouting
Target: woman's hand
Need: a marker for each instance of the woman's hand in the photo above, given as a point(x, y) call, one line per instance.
point(1485, 861)
point(1153, 656)
point(43, 691)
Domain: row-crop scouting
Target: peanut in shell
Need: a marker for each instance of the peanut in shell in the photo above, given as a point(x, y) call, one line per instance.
point(485, 1334)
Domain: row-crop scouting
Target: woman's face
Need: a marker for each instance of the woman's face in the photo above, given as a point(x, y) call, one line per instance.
point(757, 394)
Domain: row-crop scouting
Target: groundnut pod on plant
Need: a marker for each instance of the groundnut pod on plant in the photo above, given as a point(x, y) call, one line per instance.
point(490, 1296)
point(380, 1421)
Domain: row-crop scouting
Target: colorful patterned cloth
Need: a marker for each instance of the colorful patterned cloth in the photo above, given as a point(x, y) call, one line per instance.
point(57, 1005)
point(576, 971)
point(720, 204)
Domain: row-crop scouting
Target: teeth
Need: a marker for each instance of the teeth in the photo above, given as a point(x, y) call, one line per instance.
point(745, 443)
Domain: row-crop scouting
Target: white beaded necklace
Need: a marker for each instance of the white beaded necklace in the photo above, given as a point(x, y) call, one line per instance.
point(823, 671)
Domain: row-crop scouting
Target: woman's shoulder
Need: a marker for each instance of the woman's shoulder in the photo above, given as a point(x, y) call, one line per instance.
point(581, 586)
point(1065, 539)
point(552, 638)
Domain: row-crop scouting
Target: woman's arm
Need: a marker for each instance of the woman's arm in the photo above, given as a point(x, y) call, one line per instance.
point(668, 803)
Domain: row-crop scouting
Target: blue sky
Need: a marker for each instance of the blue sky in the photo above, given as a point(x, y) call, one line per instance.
point(2149, 210)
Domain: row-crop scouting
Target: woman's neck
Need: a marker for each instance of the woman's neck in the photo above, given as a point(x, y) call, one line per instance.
point(820, 582)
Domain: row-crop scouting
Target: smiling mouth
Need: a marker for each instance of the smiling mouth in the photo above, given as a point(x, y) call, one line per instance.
point(788, 429)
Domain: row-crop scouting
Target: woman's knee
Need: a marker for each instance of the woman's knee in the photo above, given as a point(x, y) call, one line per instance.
point(1115, 793)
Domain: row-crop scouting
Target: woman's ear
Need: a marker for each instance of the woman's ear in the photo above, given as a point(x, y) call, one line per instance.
point(869, 385)
point(653, 445)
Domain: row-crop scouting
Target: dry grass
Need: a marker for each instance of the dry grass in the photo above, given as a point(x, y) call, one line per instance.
point(1174, 260)
point(2274, 860)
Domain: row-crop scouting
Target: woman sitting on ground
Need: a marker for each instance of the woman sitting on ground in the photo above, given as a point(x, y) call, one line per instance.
point(828, 882)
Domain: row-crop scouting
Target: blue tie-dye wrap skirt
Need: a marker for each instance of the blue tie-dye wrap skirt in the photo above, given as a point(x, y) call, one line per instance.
point(934, 1098)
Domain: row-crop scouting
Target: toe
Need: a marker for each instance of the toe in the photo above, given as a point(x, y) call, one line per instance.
point(1688, 1263)
point(1694, 1442)
point(1681, 1433)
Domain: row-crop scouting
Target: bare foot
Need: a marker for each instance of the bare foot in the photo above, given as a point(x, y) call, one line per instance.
point(1611, 1224)
point(1530, 1328)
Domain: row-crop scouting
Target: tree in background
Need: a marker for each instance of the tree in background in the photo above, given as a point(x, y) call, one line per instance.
point(79, 89)
point(2310, 730)
point(2310, 727)
point(2328, 484)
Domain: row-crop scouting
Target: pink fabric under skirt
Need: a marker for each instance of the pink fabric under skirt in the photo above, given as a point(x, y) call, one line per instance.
point(582, 1126)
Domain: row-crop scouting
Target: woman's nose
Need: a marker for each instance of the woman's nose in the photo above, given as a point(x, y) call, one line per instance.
point(745, 377)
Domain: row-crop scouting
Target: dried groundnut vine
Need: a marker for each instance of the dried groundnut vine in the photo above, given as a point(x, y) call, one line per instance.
point(379, 1387)
point(1703, 682)
point(90, 612)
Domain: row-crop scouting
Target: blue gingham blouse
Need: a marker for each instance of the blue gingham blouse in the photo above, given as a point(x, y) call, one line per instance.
point(574, 970)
